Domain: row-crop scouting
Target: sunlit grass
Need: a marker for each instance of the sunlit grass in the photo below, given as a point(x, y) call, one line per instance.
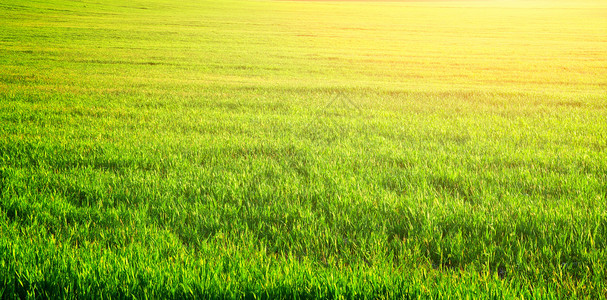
point(303, 149)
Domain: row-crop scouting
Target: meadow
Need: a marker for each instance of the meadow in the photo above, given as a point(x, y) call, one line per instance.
point(303, 149)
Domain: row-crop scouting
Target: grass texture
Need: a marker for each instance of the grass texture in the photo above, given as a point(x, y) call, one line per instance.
point(293, 149)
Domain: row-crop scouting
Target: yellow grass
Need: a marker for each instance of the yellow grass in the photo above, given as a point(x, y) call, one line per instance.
point(527, 45)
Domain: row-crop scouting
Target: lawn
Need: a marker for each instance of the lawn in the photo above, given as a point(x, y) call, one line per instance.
point(303, 149)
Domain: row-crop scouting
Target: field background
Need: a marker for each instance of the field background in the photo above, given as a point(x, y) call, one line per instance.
point(303, 149)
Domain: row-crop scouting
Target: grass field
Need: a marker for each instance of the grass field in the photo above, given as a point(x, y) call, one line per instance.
point(295, 149)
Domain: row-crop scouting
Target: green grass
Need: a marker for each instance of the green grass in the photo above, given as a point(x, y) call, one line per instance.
point(278, 149)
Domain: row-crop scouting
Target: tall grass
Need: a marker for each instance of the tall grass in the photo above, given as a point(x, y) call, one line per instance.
point(260, 149)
